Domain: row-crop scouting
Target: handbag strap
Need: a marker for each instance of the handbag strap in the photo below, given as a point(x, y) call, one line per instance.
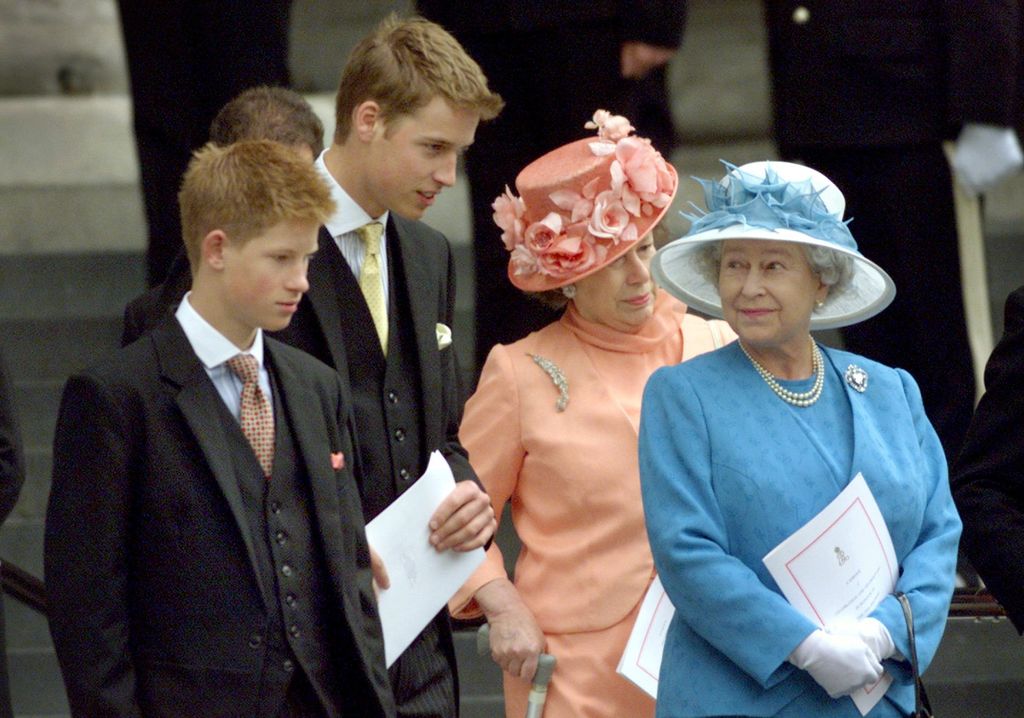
point(921, 703)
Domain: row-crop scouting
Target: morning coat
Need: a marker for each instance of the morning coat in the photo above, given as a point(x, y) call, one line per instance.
point(156, 606)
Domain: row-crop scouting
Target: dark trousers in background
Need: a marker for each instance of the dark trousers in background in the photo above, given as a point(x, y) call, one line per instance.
point(901, 203)
point(186, 59)
point(546, 106)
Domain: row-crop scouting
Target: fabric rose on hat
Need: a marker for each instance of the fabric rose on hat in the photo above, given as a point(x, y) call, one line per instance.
point(585, 226)
point(610, 127)
point(640, 172)
point(572, 255)
point(541, 235)
point(508, 215)
point(610, 219)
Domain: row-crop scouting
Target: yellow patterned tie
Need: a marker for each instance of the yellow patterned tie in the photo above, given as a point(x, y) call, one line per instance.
point(370, 280)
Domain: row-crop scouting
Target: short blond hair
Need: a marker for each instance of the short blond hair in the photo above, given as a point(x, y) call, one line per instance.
point(403, 65)
point(245, 189)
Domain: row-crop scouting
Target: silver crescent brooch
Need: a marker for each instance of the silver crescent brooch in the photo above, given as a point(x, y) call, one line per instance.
point(557, 377)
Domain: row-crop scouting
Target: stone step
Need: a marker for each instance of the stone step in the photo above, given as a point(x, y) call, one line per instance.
point(37, 404)
point(75, 45)
point(961, 680)
point(26, 630)
point(63, 194)
point(57, 286)
point(40, 349)
point(21, 543)
point(37, 688)
point(35, 491)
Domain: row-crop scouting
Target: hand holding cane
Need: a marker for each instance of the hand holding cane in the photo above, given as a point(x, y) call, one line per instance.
point(541, 678)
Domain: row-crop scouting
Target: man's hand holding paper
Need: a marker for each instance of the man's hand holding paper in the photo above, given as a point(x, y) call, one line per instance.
point(423, 576)
point(464, 521)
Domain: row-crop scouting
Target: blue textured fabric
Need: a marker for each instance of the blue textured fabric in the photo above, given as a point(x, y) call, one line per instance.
point(767, 203)
point(727, 472)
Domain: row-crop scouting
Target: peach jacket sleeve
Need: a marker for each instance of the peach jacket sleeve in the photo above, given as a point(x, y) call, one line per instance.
point(491, 420)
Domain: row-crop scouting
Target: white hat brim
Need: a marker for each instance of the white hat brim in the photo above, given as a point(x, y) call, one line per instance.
point(674, 268)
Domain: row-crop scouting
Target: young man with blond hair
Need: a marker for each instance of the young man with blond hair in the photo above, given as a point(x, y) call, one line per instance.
point(205, 552)
point(382, 296)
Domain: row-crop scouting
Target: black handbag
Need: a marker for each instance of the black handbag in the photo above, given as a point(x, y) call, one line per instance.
point(922, 707)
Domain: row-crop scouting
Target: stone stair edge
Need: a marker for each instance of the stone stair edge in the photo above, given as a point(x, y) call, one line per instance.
point(75, 140)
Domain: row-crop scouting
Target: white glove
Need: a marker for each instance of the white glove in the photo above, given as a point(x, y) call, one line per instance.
point(839, 664)
point(870, 630)
point(985, 155)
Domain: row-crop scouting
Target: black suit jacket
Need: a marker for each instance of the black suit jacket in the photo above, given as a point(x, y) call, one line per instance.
point(316, 328)
point(988, 478)
point(152, 307)
point(156, 606)
point(883, 73)
point(430, 278)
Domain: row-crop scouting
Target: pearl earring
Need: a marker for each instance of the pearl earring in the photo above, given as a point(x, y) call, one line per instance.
point(569, 290)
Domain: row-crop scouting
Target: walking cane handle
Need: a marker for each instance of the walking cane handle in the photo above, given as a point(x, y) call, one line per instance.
point(545, 663)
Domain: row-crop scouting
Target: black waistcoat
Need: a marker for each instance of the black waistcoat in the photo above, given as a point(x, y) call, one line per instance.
point(301, 616)
point(385, 390)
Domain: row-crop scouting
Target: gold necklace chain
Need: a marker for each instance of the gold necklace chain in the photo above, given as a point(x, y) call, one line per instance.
point(801, 399)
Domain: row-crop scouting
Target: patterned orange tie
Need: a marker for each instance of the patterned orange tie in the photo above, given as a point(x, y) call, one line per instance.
point(256, 416)
point(370, 280)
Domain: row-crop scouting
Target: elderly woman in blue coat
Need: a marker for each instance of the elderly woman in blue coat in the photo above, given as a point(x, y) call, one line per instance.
point(741, 447)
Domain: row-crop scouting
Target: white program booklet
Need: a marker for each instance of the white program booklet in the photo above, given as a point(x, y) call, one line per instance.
point(422, 580)
point(839, 565)
point(641, 660)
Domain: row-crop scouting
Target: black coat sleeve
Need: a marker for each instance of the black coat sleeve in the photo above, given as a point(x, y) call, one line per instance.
point(988, 477)
point(86, 549)
point(454, 453)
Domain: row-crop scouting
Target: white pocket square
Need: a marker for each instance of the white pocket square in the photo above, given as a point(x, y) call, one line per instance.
point(444, 335)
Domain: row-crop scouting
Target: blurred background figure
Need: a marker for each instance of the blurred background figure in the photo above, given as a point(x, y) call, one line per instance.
point(12, 476)
point(988, 479)
point(867, 93)
point(552, 426)
point(553, 62)
point(259, 113)
point(185, 59)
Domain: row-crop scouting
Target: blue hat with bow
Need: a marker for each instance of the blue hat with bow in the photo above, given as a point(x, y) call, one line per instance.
point(776, 201)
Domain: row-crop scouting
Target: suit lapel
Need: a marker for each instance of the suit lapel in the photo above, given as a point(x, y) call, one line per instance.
point(324, 296)
point(312, 436)
point(867, 434)
point(421, 284)
point(197, 398)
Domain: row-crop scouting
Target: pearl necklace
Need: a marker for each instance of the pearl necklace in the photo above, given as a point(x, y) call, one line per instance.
point(801, 399)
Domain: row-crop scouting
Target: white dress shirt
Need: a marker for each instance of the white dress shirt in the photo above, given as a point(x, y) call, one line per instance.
point(214, 350)
point(345, 222)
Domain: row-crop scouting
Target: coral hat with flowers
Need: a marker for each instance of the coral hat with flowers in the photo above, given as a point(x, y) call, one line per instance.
point(583, 205)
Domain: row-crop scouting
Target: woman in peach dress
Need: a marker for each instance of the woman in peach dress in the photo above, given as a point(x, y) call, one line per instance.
point(552, 427)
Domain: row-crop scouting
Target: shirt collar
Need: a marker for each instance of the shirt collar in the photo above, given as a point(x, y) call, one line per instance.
point(349, 216)
point(212, 347)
